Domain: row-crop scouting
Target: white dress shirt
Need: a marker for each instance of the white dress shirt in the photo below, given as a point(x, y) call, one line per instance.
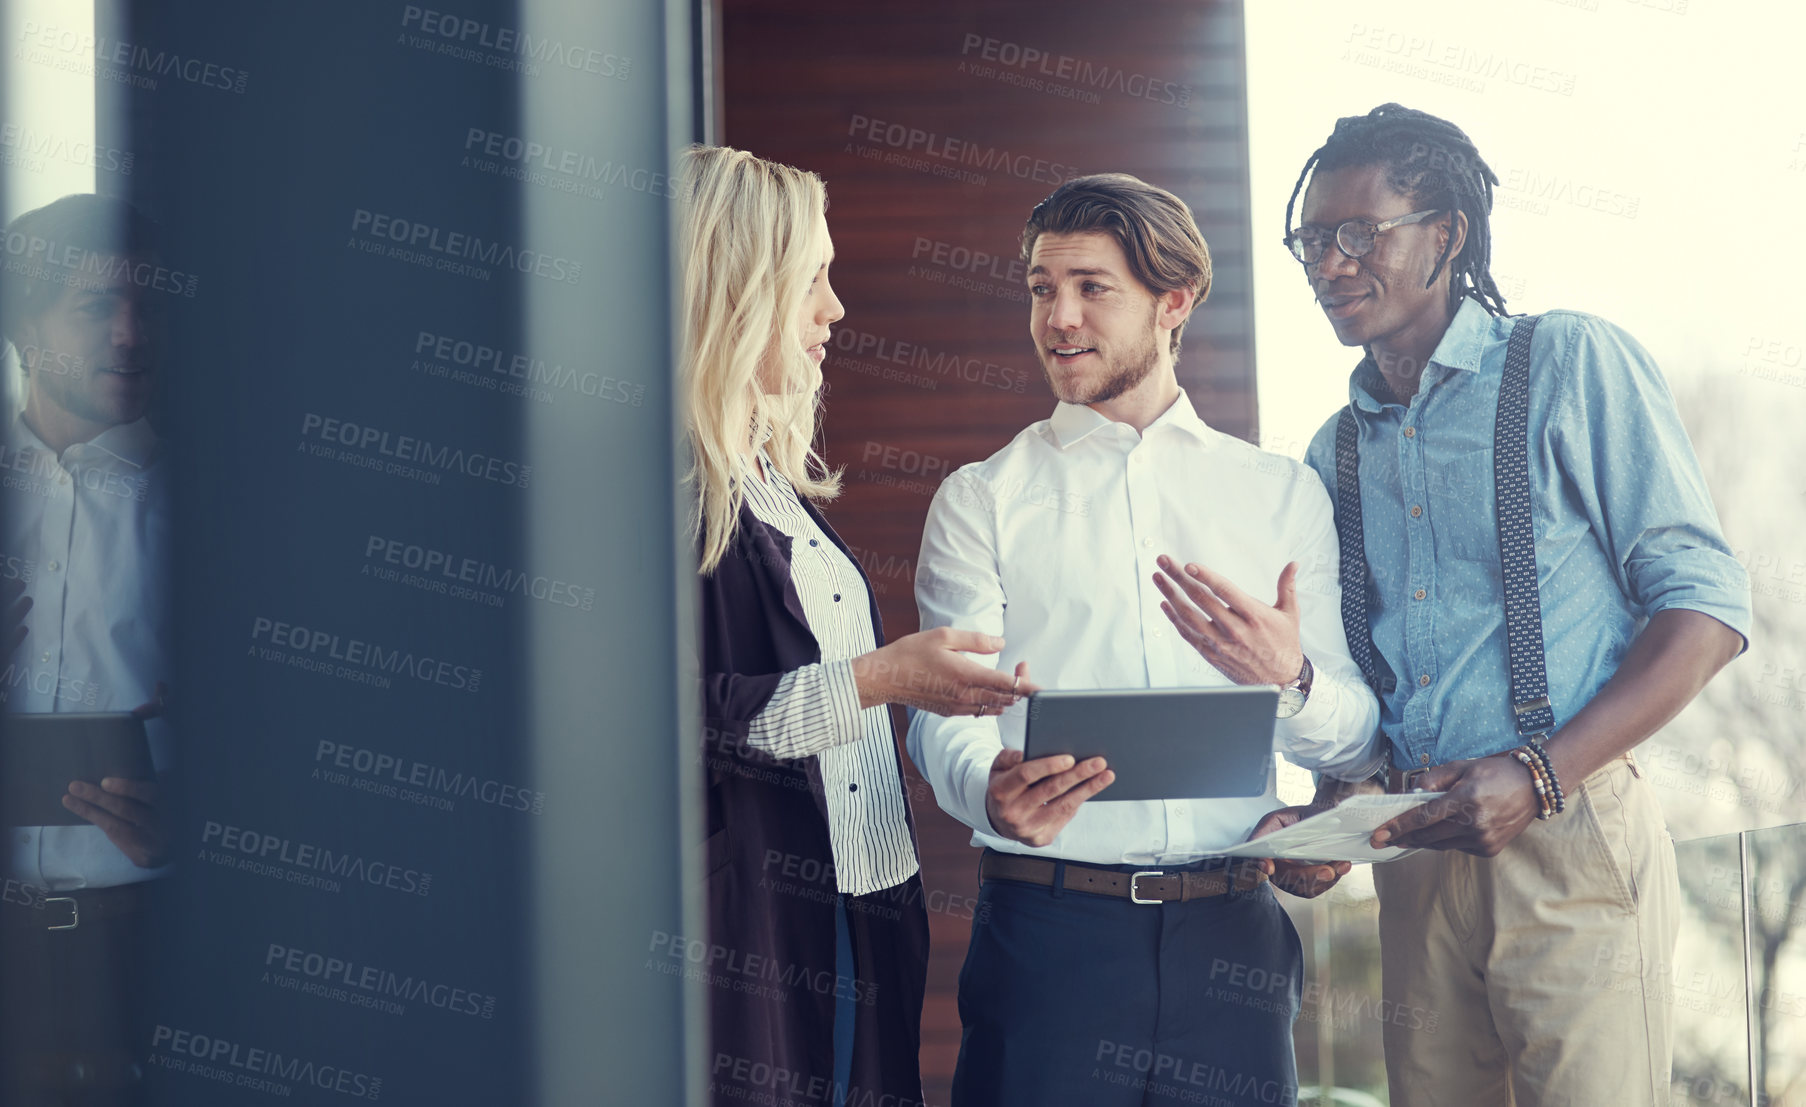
point(816, 711)
point(89, 533)
point(1051, 543)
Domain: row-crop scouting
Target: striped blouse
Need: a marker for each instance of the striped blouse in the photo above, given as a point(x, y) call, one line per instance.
point(815, 710)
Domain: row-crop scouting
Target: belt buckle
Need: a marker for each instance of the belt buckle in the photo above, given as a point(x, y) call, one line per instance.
point(1410, 780)
point(75, 912)
point(1133, 877)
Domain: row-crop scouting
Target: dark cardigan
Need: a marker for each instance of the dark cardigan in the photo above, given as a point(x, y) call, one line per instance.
point(771, 885)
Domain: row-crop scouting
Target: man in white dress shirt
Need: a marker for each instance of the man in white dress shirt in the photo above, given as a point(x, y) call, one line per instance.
point(86, 516)
point(1123, 543)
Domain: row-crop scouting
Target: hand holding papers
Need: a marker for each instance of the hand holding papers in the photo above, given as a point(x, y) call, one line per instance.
point(1339, 834)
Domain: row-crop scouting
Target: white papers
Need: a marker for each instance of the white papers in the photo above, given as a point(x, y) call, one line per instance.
point(1339, 834)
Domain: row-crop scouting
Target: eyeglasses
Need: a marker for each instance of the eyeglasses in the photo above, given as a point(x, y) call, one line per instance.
point(1355, 237)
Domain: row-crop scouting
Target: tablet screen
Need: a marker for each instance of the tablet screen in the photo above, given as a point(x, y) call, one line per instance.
point(1162, 743)
point(42, 753)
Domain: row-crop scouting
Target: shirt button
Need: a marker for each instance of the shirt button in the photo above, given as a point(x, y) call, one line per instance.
point(837, 597)
point(813, 542)
point(45, 656)
point(1148, 543)
point(1416, 511)
point(852, 787)
point(1426, 759)
point(1419, 594)
point(1158, 633)
point(1424, 680)
point(55, 565)
point(1410, 432)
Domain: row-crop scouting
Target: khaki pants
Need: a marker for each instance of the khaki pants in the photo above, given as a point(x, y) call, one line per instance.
point(1541, 973)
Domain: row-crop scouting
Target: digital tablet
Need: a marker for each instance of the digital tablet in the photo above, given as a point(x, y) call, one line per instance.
point(1162, 743)
point(41, 753)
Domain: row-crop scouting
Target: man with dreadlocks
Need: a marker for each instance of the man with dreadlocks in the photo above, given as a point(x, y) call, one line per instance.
point(1533, 581)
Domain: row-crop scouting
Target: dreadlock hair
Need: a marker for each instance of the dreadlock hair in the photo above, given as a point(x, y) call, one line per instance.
point(1433, 162)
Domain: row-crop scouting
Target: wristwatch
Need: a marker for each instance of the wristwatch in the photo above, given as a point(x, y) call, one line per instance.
point(1293, 695)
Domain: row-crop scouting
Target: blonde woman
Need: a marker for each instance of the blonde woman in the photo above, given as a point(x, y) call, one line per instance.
point(818, 933)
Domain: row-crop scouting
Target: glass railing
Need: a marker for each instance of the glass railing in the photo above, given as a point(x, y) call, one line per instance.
point(1774, 883)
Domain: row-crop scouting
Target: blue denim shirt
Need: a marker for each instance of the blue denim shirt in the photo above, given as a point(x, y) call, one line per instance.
point(1624, 525)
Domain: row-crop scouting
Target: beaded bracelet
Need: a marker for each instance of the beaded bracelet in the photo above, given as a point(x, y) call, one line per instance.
point(1545, 804)
point(1548, 763)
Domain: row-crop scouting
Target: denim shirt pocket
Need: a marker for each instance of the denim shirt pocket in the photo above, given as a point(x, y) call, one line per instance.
point(1461, 494)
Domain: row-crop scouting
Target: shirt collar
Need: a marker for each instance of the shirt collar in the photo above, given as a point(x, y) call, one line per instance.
point(134, 443)
point(1459, 351)
point(1072, 422)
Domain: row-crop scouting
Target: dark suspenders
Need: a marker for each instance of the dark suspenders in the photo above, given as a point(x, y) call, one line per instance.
point(1517, 544)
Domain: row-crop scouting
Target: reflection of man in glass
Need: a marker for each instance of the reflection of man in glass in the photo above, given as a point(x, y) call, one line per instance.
point(86, 518)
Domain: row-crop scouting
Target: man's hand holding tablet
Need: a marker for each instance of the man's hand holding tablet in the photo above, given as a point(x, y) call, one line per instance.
point(1032, 801)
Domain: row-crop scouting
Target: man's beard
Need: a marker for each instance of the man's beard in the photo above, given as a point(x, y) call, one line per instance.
point(1133, 368)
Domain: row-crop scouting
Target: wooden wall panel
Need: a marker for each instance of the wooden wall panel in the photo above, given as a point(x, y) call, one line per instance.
point(891, 101)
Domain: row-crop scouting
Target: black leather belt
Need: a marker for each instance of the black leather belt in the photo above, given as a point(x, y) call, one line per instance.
point(73, 909)
point(1146, 886)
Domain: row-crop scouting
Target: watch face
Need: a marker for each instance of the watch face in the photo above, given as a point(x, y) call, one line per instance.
point(1291, 702)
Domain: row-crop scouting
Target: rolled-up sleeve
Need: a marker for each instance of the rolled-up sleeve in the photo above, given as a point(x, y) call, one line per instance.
point(1619, 439)
point(813, 709)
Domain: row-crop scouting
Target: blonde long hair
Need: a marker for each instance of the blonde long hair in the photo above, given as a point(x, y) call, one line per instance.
point(751, 246)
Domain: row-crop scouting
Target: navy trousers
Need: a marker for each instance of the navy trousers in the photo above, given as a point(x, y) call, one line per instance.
point(1069, 998)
